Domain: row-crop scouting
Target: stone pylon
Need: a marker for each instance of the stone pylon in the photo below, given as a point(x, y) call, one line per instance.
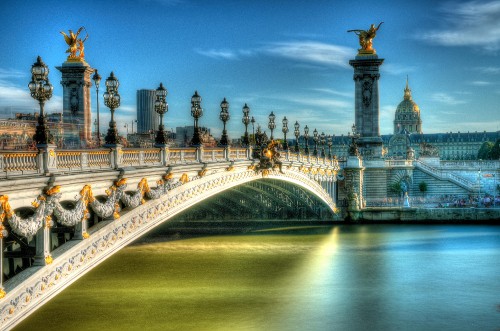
point(77, 116)
point(366, 104)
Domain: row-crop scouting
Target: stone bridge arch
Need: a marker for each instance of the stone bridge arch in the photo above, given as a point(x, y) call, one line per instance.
point(76, 257)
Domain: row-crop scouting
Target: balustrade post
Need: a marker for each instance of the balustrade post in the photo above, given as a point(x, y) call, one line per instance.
point(116, 156)
point(141, 158)
point(42, 252)
point(199, 154)
point(164, 156)
point(248, 152)
point(47, 158)
point(227, 153)
point(84, 160)
point(81, 230)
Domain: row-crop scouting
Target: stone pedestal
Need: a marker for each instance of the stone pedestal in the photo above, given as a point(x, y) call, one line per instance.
point(77, 117)
point(366, 105)
point(354, 173)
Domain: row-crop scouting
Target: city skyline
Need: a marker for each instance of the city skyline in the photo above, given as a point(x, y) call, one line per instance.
point(290, 59)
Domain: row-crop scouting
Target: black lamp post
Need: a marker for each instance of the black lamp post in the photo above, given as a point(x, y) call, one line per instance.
point(196, 112)
point(246, 121)
point(323, 143)
point(330, 143)
point(271, 124)
point(224, 117)
point(315, 138)
point(161, 107)
point(97, 80)
point(112, 101)
point(285, 131)
point(253, 129)
point(306, 137)
point(41, 90)
point(297, 134)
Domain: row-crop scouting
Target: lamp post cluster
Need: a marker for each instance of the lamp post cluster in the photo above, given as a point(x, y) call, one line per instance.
point(271, 124)
point(285, 131)
point(161, 107)
point(246, 120)
point(196, 112)
point(224, 117)
point(97, 81)
point(41, 90)
point(112, 101)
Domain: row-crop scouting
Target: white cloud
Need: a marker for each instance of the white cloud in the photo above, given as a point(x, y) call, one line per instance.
point(446, 98)
point(334, 92)
point(312, 52)
point(396, 69)
point(489, 70)
point(474, 23)
point(219, 54)
point(480, 83)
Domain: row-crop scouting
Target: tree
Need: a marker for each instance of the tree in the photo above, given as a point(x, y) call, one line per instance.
point(395, 188)
point(422, 186)
point(485, 151)
point(495, 150)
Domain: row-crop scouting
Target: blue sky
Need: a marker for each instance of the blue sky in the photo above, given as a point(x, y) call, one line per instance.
point(289, 57)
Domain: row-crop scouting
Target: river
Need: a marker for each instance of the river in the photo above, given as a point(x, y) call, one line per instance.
point(341, 277)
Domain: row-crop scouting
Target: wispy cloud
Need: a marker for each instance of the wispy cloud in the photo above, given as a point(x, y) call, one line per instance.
point(333, 92)
point(480, 83)
point(225, 54)
point(488, 70)
point(397, 69)
point(473, 23)
point(307, 52)
point(446, 98)
point(312, 52)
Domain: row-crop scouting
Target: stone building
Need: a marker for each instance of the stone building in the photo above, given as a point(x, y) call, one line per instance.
point(147, 119)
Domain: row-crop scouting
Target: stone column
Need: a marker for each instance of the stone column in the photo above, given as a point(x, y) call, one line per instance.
point(42, 251)
point(48, 158)
point(366, 103)
point(77, 117)
point(354, 174)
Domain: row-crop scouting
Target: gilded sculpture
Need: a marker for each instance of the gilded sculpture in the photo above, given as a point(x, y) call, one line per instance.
point(366, 39)
point(75, 44)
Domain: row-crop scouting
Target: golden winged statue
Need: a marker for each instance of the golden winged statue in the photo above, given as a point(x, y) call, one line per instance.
point(75, 44)
point(366, 39)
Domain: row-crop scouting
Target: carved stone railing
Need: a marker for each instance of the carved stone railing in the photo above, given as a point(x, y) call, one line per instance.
point(12, 163)
point(398, 163)
point(472, 164)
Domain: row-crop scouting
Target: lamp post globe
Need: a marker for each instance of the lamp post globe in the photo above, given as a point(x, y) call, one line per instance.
point(41, 90)
point(112, 101)
point(253, 129)
point(161, 107)
point(271, 124)
point(306, 137)
point(285, 131)
point(297, 134)
point(246, 120)
point(315, 138)
point(196, 112)
point(97, 81)
point(323, 143)
point(330, 143)
point(224, 117)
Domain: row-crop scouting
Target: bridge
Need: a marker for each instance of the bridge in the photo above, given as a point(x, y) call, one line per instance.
point(63, 212)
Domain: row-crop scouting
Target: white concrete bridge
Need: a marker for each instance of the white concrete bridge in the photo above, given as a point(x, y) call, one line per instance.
point(62, 212)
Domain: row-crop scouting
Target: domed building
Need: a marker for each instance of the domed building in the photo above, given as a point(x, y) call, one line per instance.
point(407, 115)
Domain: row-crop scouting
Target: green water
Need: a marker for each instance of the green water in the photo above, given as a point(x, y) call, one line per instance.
point(383, 277)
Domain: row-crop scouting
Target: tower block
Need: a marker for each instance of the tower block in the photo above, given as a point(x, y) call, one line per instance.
point(366, 104)
point(76, 84)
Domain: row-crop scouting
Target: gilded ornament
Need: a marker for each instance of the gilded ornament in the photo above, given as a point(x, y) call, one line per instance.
point(86, 235)
point(49, 260)
point(184, 178)
point(366, 39)
point(75, 45)
point(53, 190)
point(2, 293)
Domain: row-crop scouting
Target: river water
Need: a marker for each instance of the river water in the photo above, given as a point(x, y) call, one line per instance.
point(345, 277)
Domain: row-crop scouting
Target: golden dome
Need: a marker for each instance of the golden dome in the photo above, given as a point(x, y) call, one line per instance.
point(407, 105)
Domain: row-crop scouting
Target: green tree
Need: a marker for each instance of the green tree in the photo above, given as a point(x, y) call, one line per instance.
point(495, 150)
point(422, 186)
point(395, 188)
point(485, 151)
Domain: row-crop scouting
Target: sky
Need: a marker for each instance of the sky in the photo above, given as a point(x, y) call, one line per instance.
point(288, 57)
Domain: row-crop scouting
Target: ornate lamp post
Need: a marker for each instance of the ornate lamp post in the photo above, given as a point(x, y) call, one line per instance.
point(112, 101)
point(161, 107)
point(297, 133)
point(41, 90)
point(285, 131)
point(246, 121)
point(323, 143)
point(306, 137)
point(315, 138)
point(271, 124)
point(196, 112)
point(97, 80)
point(224, 117)
point(253, 129)
point(330, 143)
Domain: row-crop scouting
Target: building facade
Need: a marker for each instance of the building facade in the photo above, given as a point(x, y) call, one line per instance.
point(147, 119)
